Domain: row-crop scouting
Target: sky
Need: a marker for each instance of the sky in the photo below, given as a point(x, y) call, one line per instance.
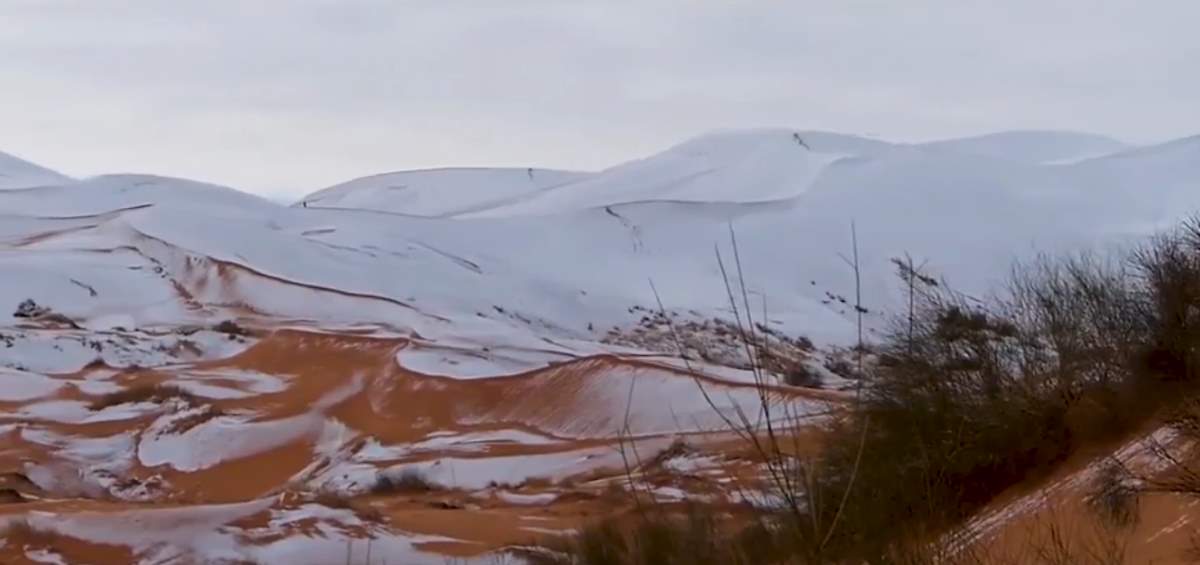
point(282, 98)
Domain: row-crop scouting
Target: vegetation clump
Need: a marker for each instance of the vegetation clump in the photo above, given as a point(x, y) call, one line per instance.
point(966, 399)
point(157, 393)
point(407, 481)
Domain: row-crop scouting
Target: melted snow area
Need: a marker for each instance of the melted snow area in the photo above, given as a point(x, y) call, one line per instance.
point(450, 364)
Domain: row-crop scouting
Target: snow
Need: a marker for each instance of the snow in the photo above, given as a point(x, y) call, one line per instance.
point(88, 466)
point(475, 474)
point(518, 499)
point(1035, 147)
point(96, 387)
point(760, 165)
point(205, 534)
point(192, 438)
point(124, 283)
point(91, 450)
point(312, 512)
point(177, 531)
point(471, 364)
point(439, 192)
point(671, 494)
point(217, 438)
point(45, 556)
point(690, 464)
point(657, 402)
point(16, 386)
point(253, 381)
point(110, 322)
point(330, 545)
point(16, 173)
point(1141, 455)
point(499, 274)
point(65, 412)
point(69, 351)
point(76, 412)
point(205, 390)
point(470, 442)
point(107, 193)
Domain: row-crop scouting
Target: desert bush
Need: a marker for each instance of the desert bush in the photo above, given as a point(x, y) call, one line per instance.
point(142, 393)
point(1114, 497)
point(231, 328)
point(969, 398)
point(30, 309)
point(1169, 267)
point(800, 374)
point(977, 396)
point(679, 447)
point(690, 537)
point(407, 481)
point(948, 423)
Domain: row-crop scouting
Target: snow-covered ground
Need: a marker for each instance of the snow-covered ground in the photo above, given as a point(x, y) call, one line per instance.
point(16, 173)
point(440, 192)
point(514, 257)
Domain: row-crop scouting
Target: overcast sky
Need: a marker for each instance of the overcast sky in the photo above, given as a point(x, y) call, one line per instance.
point(284, 97)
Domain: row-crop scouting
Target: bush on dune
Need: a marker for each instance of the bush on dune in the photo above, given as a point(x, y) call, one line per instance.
point(968, 398)
point(143, 393)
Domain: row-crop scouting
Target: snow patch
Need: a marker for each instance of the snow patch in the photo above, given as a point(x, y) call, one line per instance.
point(18, 386)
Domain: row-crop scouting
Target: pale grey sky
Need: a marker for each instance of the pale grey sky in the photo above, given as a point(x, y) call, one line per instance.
point(284, 97)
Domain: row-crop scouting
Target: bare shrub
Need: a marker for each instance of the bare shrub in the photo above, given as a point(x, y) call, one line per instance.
point(800, 374)
point(968, 398)
point(157, 393)
point(30, 309)
point(1115, 495)
point(407, 481)
point(231, 328)
point(1054, 542)
point(695, 537)
point(977, 396)
point(678, 448)
point(946, 425)
point(1170, 268)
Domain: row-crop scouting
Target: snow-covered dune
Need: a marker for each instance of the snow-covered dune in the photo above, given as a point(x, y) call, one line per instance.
point(569, 256)
point(738, 166)
point(1034, 147)
point(19, 173)
point(108, 193)
point(440, 192)
point(731, 166)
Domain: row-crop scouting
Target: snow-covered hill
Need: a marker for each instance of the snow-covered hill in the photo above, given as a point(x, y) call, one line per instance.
point(733, 166)
point(19, 173)
point(569, 256)
point(739, 166)
point(1034, 147)
point(439, 192)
